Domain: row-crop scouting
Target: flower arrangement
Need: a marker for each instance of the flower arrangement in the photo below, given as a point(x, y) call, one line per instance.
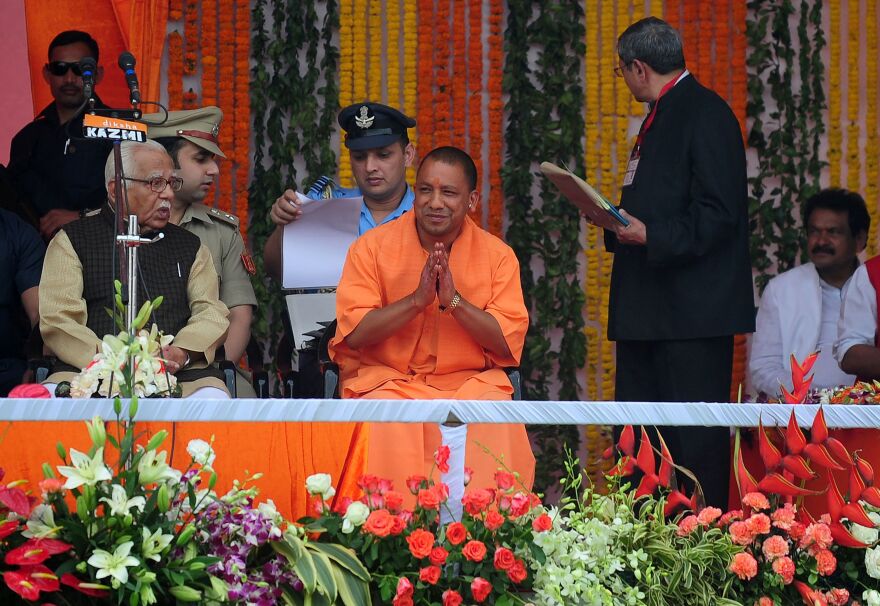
point(619, 549)
point(138, 531)
point(130, 363)
point(119, 535)
point(413, 558)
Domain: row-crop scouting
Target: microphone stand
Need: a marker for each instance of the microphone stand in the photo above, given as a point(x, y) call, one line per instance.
point(128, 241)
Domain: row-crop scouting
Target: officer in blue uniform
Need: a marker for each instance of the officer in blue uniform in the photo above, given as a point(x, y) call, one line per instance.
point(380, 151)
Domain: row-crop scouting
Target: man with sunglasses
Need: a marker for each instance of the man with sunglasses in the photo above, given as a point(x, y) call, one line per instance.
point(81, 264)
point(58, 176)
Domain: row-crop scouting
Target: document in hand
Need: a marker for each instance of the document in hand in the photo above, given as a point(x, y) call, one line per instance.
point(599, 210)
point(315, 245)
point(313, 253)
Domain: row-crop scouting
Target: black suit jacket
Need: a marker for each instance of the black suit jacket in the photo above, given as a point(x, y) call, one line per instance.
point(693, 279)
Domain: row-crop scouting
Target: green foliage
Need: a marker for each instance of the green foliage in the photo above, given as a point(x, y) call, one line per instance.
point(617, 550)
point(294, 99)
point(786, 133)
point(545, 122)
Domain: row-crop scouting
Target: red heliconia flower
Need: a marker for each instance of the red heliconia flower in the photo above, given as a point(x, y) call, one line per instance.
point(745, 480)
point(810, 596)
point(770, 455)
point(666, 463)
point(645, 459)
point(797, 466)
point(84, 587)
point(776, 483)
point(675, 501)
point(800, 383)
point(799, 371)
point(627, 441)
point(866, 471)
point(795, 440)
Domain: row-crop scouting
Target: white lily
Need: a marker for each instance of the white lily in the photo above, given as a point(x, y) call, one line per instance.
point(120, 504)
point(41, 523)
point(85, 470)
point(152, 468)
point(114, 564)
point(155, 543)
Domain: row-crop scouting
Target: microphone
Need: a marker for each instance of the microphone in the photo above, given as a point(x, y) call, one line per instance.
point(88, 67)
point(126, 64)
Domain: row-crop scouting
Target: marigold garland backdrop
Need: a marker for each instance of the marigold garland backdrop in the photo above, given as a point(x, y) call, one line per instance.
point(513, 83)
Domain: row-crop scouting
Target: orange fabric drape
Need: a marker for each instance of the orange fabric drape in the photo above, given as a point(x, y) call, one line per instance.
point(117, 25)
point(142, 24)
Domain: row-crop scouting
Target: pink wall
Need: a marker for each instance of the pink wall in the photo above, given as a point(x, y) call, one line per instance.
point(16, 102)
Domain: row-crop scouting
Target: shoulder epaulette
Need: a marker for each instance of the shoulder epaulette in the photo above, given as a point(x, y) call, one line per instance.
point(322, 188)
point(92, 212)
point(223, 216)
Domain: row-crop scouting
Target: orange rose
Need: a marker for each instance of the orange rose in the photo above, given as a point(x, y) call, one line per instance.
point(430, 575)
point(475, 551)
point(398, 525)
point(542, 523)
point(420, 543)
point(504, 479)
point(456, 533)
point(393, 501)
point(480, 588)
point(451, 598)
point(494, 520)
point(477, 501)
point(379, 523)
point(504, 558)
point(517, 573)
point(437, 556)
point(428, 499)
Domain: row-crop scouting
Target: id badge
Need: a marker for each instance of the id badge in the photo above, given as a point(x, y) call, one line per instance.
point(630, 172)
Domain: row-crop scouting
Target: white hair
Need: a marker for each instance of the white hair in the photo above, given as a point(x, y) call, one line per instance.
point(127, 150)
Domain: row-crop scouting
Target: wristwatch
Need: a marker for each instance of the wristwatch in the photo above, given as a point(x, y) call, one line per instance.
point(447, 309)
point(186, 362)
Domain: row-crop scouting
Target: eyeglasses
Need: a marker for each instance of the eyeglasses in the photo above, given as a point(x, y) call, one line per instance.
point(618, 71)
point(59, 68)
point(158, 184)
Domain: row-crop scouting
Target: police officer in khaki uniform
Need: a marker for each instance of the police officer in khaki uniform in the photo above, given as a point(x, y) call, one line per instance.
point(190, 136)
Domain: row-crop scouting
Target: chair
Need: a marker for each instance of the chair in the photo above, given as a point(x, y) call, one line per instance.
point(331, 370)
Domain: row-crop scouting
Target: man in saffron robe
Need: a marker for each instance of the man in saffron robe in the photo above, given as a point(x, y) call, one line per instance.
point(430, 306)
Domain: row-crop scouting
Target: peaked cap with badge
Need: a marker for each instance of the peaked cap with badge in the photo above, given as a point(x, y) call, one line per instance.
point(198, 126)
point(370, 125)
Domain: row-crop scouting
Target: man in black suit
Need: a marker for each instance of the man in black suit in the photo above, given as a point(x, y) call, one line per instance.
point(681, 283)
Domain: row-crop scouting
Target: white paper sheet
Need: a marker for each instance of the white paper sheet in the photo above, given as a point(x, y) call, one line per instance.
point(314, 246)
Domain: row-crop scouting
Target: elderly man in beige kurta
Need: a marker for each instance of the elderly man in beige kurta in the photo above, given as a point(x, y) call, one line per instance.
point(77, 278)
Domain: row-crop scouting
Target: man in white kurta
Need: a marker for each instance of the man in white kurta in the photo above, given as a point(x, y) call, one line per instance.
point(800, 308)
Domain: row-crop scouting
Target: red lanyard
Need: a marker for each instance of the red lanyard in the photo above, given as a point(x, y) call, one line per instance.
point(650, 119)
